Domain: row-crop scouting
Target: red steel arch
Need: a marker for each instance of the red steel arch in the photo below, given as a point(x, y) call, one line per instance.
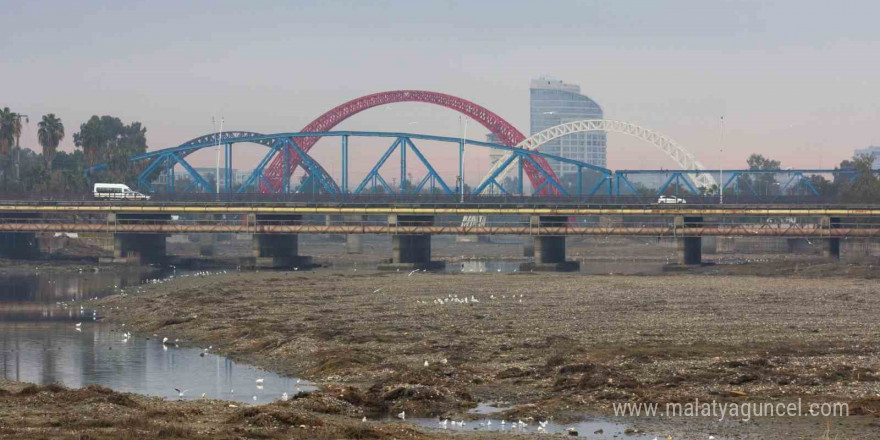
point(506, 132)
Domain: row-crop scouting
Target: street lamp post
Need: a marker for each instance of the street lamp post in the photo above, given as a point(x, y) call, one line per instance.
point(721, 165)
point(461, 158)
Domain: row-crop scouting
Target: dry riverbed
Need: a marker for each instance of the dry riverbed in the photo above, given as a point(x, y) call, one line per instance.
point(555, 345)
point(95, 413)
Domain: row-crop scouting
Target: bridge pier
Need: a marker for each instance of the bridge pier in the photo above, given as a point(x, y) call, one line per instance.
point(277, 251)
point(690, 249)
point(529, 246)
point(138, 248)
point(831, 247)
point(208, 242)
point(354, 243)
point(131, 247)
point(411, 251)
point(549, 250)
point(19, 245)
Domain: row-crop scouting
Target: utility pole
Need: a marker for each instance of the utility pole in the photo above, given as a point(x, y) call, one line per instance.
point(461, 157)
point(721, 164)
point(217, 171)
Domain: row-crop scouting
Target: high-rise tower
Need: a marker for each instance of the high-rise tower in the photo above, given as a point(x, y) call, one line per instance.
point(554, 102)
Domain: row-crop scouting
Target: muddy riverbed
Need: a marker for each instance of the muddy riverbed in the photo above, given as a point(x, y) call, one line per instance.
point(551, 345)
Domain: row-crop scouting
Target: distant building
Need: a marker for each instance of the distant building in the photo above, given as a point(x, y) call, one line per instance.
point(554, 102)
point(494, 153)
point(870, 150)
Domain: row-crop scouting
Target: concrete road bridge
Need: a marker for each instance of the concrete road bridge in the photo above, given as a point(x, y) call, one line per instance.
point(139, 228)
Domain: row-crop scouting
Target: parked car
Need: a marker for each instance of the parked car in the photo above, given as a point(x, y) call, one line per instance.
point(117, 191)
point(671, 200)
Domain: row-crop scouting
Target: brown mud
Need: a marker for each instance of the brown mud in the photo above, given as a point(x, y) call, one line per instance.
point(553, 345)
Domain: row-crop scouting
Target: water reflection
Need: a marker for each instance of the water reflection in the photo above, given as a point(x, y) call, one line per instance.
point(69, 286)
point(48, 352)
point(594, 429)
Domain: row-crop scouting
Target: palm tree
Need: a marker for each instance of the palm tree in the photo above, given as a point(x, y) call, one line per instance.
point(50, 133)
point(7, 129)
point(8, 123)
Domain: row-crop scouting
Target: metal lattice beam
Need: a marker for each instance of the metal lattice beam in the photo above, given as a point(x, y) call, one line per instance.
point(679, 154)
point(506, 132)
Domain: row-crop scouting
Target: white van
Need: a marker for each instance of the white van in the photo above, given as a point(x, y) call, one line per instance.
point(117, 191)
point(670, 199)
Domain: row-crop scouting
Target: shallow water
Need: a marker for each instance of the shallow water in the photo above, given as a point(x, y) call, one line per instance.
point(40, 343)
point(592, 267)
point(598, 429)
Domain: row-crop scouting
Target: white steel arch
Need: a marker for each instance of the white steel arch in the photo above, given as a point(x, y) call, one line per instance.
point(673, 149)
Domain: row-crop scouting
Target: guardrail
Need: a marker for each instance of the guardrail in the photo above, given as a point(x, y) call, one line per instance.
point(422, 199)
point(658, 227)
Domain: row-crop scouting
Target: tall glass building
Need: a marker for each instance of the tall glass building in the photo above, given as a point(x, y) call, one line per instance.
point(552, 103)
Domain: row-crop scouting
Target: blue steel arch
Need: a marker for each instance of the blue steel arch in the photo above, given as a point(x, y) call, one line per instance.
point(285, 143)
point(170, 157)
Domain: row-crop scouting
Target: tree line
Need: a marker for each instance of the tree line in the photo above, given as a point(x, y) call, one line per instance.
point(100, 140)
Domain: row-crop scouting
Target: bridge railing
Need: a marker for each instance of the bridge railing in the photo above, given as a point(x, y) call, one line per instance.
point(445, 199)
point(654, 226)
point(68, 198)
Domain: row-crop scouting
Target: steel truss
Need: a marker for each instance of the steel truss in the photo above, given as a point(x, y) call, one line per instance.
point(506, 132)
point(735, 181)
point(288, 145)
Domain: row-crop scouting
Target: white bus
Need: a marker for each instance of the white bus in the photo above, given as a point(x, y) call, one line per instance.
point(117, 191)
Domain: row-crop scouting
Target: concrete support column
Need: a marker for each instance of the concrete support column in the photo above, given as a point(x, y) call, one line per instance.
point(137, 247)
point(529, 246)
point(354, 243)
point(17, 245)
point(832, 245)
point(415, 249)
point(206, 244)
point(690, 249)
point(549, 250)
point(277, 250)
point(411, 250)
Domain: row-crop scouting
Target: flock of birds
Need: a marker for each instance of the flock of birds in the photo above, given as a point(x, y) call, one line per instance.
point(259, 382)
point(454, 299)
point(518, 425)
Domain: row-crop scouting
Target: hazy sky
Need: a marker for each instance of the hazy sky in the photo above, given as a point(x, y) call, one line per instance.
point(796, 80)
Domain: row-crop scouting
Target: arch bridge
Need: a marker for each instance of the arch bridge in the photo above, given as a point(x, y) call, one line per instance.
point(285, 152)
point(317, 179)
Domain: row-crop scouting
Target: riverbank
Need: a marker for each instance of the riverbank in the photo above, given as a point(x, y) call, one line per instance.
point(555, 345)
point(34, 412)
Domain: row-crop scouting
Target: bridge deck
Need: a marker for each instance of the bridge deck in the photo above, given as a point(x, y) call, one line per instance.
point(537, 208)
point(652, 231)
